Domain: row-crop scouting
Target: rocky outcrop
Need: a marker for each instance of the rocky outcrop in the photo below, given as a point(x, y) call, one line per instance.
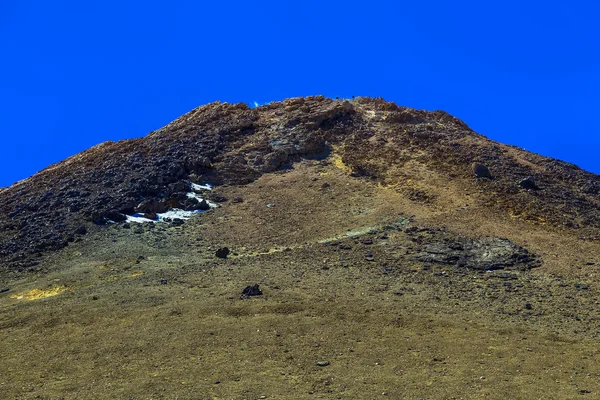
point(486, 254)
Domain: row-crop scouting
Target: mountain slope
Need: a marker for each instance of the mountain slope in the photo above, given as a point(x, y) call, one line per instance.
point(376, 247)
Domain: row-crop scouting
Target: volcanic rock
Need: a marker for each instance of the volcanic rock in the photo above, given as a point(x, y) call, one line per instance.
point(528, 183)
point(223, 252)
point(481, 171)
point(252, 290)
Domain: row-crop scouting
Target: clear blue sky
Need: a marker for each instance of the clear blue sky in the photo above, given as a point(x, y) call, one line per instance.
point(77, 73)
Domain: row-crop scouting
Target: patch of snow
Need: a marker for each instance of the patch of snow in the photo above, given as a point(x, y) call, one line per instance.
point(195, 186)
point(175, 212)
point(138, 218)
point(172, 214)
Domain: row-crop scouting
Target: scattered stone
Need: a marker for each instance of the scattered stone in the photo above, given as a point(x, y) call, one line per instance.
point(115, 216)
point(369, 256)
point(223, 252)
point(237, 200)
point(177, 222)
point(591, 187)
point(252, 290)
point(322, 363)
point(271, 205)
point(218, 199)
point(528, 306)
point(163, 282)
point(481, 171)
point(126, 226)
point(581, 286)
point(528, 184)
point(484, 254)
point(4, 290)
point(367, 241)
point(82, 230)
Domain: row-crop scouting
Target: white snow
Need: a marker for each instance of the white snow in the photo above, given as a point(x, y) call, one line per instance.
point(175, 212)
point(195, 186)
point(139, 218)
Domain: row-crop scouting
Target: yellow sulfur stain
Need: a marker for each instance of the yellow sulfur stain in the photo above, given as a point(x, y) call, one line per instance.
point(337, 161)
point(136, 274)
point(36, 294)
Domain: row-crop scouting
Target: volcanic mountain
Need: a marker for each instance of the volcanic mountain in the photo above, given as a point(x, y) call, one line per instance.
point(310, 248)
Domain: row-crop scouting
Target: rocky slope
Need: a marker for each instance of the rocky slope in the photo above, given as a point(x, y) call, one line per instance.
point(232, 144)
point(356, 249)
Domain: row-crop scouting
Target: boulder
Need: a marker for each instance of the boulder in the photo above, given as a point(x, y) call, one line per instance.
point(152, 205)
point(252, 290)
point(481, 171)
point(223, 252)
point(115, 216)
point(528, 184)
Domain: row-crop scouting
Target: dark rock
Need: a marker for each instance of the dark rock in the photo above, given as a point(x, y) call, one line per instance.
point(126, 225)
point(198, 164)
point(218, 199)
point(4, 290)
point(528, 184)
point(238, 200)
point(115, 216)
point(252, 290)
point(181, 186)
point(591, 187)
point(528, 306)
point(369, 256)
point(203, 205)
point(152, 205)
point(150, 215)
point(163, 282)
point(82, 230)
point(481, 171)
point(581, 286)
point(177, 222)
point(485, 254)
point(223, 252)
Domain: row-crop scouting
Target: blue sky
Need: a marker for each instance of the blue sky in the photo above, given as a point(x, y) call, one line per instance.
point(74, 74)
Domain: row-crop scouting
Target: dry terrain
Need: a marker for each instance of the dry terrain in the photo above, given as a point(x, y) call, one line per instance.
point(387, 270)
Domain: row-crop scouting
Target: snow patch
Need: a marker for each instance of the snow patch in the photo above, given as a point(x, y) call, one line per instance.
point(197, 187)
point(176, 212)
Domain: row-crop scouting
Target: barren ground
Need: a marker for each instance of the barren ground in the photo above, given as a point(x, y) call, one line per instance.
point(151, 313)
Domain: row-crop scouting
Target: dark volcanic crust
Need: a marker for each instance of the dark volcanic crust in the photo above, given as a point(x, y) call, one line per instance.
point(233, 144)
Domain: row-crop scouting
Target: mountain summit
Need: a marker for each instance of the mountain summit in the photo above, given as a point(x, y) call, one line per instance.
point(376, 248)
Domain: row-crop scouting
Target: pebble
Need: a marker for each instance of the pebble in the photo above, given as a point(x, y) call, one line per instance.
point(322, 363)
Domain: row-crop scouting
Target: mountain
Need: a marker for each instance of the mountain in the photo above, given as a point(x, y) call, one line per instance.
point(310, 248)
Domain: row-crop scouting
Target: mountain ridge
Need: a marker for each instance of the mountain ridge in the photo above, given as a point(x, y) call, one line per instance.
point(234, 144)
point(310, 248)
